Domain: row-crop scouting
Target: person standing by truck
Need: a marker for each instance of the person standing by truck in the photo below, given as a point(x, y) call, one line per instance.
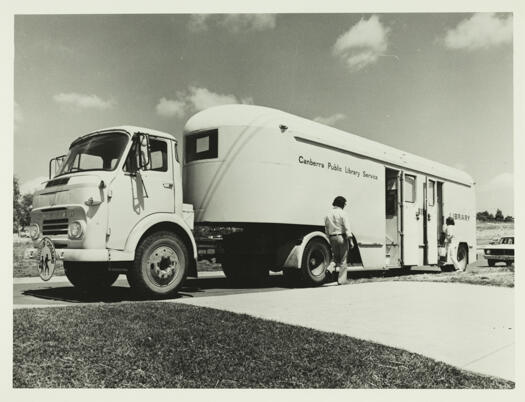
point(337, 228)
point(451, 242)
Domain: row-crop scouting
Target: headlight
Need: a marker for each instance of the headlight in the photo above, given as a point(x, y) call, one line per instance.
point(34, 231)
point(487, 251)
point(75, 230)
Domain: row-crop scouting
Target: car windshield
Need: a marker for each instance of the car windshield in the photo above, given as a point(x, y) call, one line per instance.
point(507, 240)
point(99, 152)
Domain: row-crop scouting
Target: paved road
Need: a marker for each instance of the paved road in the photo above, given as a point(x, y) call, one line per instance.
point(33, 292)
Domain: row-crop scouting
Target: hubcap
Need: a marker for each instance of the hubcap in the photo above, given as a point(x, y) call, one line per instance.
point(163, 264)
point(316, 262)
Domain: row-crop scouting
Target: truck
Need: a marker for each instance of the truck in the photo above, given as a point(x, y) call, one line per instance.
point(257, 181)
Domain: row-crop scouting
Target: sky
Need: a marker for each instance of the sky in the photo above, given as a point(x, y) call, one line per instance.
point(436, 85)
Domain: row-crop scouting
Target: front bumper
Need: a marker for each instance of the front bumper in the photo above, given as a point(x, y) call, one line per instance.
point(73, 254)
point(496, 257)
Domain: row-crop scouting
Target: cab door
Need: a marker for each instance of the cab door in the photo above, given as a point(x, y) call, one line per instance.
point(431, 223)
point(410, 219)
point(138, 194)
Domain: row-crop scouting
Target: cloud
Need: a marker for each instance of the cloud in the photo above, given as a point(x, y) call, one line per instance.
point(362, 44)
point(32, 185)
point(197, 22)
point(482, 30)
point(202, 98)
point(170, 108)
point(233, 22)
point(330, 120)
point(196, 99)
point(83, 101)
point(248, 22)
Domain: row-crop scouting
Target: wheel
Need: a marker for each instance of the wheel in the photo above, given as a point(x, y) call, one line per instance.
point(509, 263)
point(316, 258)
point(248, 269)
point(462, 256)
point(160, 265)
point(448, 268)
point(491, 263)
point(89, 276)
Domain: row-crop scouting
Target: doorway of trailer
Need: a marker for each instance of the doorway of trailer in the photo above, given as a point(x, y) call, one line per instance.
point(431, 219)
point(392, 218)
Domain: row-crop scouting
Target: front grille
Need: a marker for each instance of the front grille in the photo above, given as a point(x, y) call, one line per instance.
point(501, 252)
point(55, 227)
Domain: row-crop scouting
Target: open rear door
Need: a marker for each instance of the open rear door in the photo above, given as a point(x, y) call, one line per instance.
point(431, 223)
point(410, 220)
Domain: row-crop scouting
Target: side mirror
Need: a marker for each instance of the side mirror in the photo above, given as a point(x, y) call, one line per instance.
point(55, 164)
point(143, 148)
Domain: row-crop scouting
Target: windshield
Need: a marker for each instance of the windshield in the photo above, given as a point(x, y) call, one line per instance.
point(99, 152)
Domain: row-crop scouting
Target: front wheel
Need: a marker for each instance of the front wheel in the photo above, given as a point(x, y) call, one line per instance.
point(316, 258)
point(89, 276)
point(160, 265)
point(491, 263)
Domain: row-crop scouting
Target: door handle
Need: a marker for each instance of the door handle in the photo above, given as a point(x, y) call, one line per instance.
point(167, 185)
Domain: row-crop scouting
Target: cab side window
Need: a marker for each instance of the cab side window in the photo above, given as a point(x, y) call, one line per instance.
point(158, 154)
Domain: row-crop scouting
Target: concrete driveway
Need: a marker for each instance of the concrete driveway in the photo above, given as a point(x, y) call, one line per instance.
point(468, 326)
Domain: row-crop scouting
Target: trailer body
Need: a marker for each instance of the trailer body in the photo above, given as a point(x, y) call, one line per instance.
point(261, 168)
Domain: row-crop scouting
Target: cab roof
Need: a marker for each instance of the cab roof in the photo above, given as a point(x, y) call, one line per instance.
point(131, 130)
point(319, 134)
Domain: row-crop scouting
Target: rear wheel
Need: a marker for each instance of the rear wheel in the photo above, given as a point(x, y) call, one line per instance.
point(160, 266)
point(462, 256)
point(316, 258)
point(89, 276)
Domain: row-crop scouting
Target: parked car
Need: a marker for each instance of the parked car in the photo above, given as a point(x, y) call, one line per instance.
point(502, 251)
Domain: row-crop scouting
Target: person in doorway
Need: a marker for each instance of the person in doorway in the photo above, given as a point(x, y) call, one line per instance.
point(337, 228)
point(451, 242)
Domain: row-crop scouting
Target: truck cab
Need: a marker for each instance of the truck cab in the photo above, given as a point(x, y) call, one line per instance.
point(115, 206)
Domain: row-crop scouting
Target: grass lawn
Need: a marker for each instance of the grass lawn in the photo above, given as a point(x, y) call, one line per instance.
point(172, 345)
point(475, 275)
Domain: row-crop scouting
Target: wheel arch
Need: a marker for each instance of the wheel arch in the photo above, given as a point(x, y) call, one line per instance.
point(171, 223)
point(295, 257)
point(465, 244)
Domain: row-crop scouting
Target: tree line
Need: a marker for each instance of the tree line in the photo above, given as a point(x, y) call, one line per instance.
point(22, 204)
point(486, 216)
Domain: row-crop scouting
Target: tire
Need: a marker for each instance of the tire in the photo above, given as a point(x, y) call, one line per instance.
point(462, 256)
point(509, 263)
point(249, 269)
point(89, 276)
point(491, 263)
point(448, 268)
point(160, 266)
point(316, 258)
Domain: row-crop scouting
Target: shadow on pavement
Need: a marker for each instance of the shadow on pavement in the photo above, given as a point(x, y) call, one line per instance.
point(195, 288)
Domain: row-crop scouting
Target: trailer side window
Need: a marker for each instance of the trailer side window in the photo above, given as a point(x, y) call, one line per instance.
point(410, 188)
point(203, 145)
point(431, 198)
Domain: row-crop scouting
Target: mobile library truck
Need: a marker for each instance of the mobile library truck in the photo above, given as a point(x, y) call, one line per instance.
point(260, 181)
